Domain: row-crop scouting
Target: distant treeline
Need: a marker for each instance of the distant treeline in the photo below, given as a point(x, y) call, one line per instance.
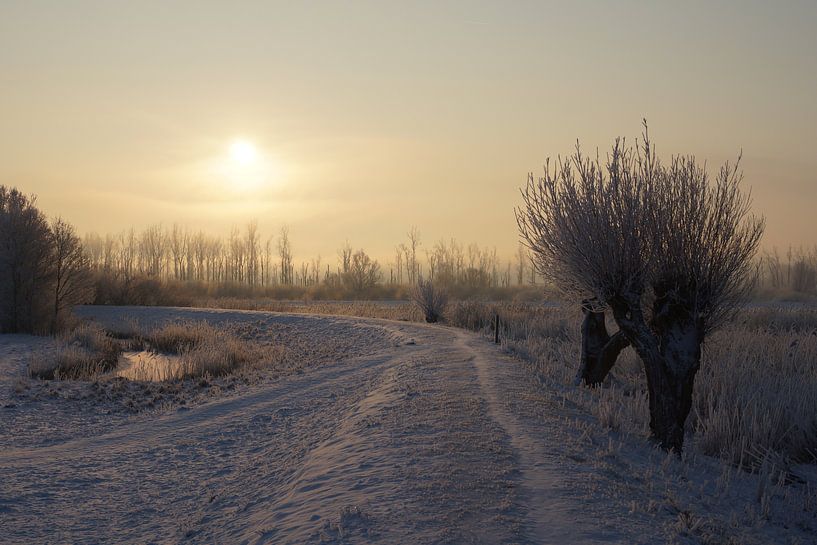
point(795, 273)
point(247, 264)
point(45, 269)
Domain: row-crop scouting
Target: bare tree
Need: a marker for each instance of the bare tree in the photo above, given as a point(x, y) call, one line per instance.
point(285, 253)
point(237, 258)
point(94, 247)
point(399, 252)
point(215, 261)
point(521, 264)
point(798, 274)
point(316, 270)
point(252, 250)
point(363, 272)
point(179, 240)
point(411, 255)
point(72, 275)
point(198, 246)
point(267, 277)
point(803, 275)
point(153, 247)
point(345, 255)
point(128, 250)
point(666, 249)
point(302, 279)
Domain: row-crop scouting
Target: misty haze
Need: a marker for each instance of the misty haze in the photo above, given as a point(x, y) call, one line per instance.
point(433, 273)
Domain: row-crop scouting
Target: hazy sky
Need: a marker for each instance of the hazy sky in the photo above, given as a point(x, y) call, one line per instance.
point(370, 117)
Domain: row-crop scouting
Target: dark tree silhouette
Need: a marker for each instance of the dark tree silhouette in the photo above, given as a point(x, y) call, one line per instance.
point(666, 249)
point(72, 276)
point(26, 270)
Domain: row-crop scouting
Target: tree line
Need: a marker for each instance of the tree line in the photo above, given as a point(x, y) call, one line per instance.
point(246, 258)
point(796, 272)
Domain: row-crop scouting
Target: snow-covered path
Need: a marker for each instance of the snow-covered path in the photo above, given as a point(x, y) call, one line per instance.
point(420, 442)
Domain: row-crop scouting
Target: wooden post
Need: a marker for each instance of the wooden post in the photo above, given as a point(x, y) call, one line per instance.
point(496, 329)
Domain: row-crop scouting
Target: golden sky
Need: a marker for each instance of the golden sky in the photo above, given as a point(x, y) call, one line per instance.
point(364, 118)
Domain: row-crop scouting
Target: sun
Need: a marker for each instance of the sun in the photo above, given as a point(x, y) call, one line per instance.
point(243, 152)
point(245, 168)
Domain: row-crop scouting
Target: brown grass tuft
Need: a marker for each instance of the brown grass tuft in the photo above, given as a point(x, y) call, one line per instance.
point(204, 350)
point(83, 353)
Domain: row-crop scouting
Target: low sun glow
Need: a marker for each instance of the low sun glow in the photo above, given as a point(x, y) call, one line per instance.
point(245, 167)
point(243, 152)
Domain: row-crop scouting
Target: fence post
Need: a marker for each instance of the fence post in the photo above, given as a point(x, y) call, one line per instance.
point(496, 329)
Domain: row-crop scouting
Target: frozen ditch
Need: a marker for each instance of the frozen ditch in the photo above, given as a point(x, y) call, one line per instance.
point(148, 366)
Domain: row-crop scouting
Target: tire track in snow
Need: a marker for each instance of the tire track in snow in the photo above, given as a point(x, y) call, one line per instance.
point(551, 518)
point(412, 445)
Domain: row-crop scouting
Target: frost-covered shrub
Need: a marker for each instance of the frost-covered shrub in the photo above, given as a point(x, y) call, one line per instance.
point(431, 299)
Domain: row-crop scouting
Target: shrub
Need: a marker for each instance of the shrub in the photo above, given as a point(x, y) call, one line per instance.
point(431, 300)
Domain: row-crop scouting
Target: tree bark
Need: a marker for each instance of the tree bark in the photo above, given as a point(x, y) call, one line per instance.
point(680, 348)
point(671, 353)
point(599, 350)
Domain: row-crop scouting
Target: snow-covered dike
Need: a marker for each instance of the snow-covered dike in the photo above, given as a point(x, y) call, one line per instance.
point(401, 433)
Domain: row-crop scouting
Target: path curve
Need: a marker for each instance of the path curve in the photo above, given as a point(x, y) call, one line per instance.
point(417, 443)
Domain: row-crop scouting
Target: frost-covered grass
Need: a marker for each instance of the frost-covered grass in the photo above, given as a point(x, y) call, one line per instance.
point(755, 394)
point(180, 337)
point(200, 350)
point(203, 350)
point(752, 432)
point(216, 357)
point(779, 318)
point(82, 354)
point(755, 400)
point(598, 434)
